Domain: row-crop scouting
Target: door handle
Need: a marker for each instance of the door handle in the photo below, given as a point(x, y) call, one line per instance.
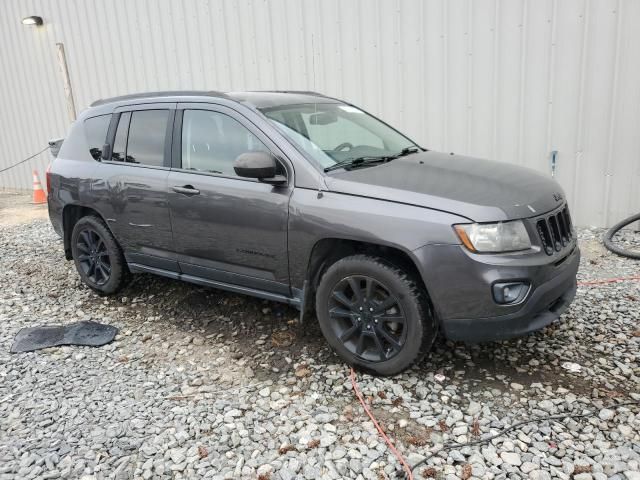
point(187, 190)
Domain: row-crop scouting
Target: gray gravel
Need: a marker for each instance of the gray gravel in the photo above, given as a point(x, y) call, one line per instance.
point(202, 383)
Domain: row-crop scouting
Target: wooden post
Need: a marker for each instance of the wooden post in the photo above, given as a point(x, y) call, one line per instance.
point(68, 91)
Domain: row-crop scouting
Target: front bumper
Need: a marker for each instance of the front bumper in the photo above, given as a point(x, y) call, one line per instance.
point(461, 293)
point(536, 314)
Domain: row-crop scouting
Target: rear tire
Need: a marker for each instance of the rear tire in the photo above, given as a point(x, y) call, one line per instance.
point(97, 256)
point(374, 315)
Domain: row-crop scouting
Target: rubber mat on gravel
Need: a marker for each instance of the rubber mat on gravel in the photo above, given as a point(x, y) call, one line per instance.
point(90, 334)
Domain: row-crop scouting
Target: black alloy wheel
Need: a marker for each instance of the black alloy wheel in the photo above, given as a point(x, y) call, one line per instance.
point(367, 318)
point(375, 314)
point(93, 256)
point(98, 257)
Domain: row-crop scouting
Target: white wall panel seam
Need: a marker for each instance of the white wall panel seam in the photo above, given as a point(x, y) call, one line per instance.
point(551, 74)
point(421, 94)
point(469, 99)
point(581, 100)
point(10, 94)
point(523, 79)
point(496, 69)
point(612, 112)
point(445, 66)
point(272, 49)
point(377, 58)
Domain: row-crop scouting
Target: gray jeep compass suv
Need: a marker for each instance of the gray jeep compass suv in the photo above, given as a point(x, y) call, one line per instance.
point(304, 199)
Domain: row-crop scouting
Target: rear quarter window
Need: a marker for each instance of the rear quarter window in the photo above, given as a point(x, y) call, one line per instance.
point(95, 129)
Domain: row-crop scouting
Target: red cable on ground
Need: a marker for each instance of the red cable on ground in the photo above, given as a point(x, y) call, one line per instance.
point(609, 280)
point(392, 447)
point(388, 441)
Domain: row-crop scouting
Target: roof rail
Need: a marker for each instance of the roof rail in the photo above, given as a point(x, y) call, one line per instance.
point(167, 93)
point(299, 92)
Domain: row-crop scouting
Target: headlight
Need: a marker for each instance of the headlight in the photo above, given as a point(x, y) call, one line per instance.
point(494, 237)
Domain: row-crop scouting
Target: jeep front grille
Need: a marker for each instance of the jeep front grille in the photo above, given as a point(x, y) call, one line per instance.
point(555, 231)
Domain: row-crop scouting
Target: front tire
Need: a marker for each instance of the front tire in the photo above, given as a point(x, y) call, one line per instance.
point(374, 315)
point(97, 256)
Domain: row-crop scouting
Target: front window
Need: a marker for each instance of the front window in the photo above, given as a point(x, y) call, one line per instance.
point(211, 141)
point(332, 133)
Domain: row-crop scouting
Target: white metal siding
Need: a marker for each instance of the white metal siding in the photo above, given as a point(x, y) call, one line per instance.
point(505, 79)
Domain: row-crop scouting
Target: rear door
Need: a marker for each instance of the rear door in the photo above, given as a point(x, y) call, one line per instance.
point(226, 228)
point(133, 188)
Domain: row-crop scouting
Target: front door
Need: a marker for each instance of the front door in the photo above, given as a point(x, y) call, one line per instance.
point(226, 228)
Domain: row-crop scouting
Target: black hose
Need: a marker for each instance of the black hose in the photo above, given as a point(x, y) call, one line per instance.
point(488, 438)
point(608, 238)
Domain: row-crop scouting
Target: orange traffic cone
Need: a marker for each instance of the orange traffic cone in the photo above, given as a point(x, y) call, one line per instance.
point(38, 193)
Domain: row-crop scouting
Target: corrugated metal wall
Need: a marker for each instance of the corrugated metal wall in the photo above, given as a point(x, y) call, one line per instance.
point(505, 79)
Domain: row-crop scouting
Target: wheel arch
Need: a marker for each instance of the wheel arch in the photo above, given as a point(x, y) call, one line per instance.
point(71, 213)
point(327, 251)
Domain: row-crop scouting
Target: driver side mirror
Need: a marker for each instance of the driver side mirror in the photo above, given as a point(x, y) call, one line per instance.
point(260, 165)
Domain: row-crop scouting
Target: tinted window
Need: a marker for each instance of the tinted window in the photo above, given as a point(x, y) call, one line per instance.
point(147, 132)
point(120, 142)
point(96, 131)
point(211, 141)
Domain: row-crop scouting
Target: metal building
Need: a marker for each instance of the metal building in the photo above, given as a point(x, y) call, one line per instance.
point(512, 80)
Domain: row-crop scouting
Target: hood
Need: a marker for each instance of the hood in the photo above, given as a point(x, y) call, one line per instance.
point(480, 190)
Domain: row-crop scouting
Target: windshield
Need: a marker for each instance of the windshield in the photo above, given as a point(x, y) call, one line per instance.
point(333, 132)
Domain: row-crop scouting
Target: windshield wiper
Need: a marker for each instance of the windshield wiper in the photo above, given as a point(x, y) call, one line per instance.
point(405, 151)
point(353, 162)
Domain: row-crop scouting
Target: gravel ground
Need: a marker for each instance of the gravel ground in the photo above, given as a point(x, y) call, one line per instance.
point(202, 383)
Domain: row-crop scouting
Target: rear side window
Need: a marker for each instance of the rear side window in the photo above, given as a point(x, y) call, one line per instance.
point(147, 132)
point(95, 129)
